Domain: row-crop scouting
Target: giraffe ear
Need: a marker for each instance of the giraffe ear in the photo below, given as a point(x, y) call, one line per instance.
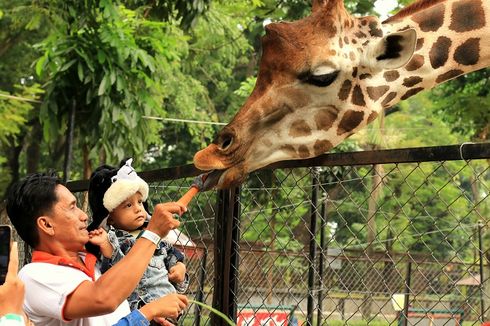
point(393, 50)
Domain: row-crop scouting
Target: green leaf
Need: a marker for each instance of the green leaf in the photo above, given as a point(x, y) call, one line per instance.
point(103, 85)
point(80, 71)
point(217, 312)
point(40, 64)
point(67, 65)
point(101, 56)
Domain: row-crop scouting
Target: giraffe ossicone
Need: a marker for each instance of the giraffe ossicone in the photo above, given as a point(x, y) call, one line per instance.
point(326, 76)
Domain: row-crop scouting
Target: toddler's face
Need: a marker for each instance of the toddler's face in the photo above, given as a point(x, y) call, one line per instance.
point(130, 214)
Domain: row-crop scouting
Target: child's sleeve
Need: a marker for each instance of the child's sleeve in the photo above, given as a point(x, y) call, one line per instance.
point(117, 252)
point(182, 287)
point(175, 256)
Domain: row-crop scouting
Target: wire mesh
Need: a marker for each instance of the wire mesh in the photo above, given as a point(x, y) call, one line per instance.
point(377, 220)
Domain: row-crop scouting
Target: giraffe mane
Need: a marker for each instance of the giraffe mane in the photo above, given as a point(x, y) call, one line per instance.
point(414, 7)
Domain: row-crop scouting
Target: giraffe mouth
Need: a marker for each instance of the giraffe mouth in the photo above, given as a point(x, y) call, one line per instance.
point(224, 174)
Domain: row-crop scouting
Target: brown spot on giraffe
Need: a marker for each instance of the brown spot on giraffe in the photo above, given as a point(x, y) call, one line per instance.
point(358, 96)
point(468, 53)
point(376, 92)
point(352, 56)
point(365, 43)
point(412, 92)
point(303, 151)
point(360, 34)
point(374, 29)
point(289, 150)
point(346, 40)
point(299, 129)
point(345, 90)
point(415, 63)
point(439, 53)
point(430, 20)
point(420, 43)
point(341, 44)
point(414, 7)
point(350, 120)
point(321, 146)
point(353, 41)
point(365, 76)
point(461, 10)
point(391, 75)
point(373, 115)
point(411, 81)
point(325, 118)
point(388, 99)
point(449, 75)
point(354, 72)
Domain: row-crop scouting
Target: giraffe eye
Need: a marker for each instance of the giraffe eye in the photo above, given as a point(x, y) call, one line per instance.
point(321, 80)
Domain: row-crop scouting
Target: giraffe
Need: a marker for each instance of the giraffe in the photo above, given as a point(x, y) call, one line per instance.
point(326, 76)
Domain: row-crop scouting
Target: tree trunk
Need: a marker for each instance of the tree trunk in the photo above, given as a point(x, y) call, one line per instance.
point(33, 151)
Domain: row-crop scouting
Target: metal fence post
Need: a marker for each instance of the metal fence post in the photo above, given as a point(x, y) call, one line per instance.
point(311, 268)
point(480, 251)
point(226, 252)
point(323, 252)
point(408, 281)
point(200, 291)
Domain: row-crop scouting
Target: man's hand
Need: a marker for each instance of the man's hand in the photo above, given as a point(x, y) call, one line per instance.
point(176, 273)
point(162, 220)
point(169, 306)
point(12, 291)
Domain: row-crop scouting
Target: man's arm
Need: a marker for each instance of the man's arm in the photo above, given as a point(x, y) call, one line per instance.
point(113, 287)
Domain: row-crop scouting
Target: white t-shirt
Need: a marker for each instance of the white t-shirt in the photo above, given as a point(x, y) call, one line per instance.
point(47, 287)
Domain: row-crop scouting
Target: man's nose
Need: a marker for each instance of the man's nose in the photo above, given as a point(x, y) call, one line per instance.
point(83, 216)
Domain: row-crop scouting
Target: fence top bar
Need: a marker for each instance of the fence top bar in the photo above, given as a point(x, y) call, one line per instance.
point(465, 151)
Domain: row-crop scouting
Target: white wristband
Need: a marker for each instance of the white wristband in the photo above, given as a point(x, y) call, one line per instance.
point(152, 236)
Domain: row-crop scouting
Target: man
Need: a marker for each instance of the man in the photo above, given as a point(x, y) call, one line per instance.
point(63, 283)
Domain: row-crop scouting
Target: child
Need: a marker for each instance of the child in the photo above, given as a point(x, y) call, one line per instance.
point(117, 199)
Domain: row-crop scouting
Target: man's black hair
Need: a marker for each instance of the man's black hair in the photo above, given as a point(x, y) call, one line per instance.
point(30, 198)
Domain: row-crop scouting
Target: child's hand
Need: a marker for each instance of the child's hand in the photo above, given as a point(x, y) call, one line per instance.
point(176, 273)
point(99, 238)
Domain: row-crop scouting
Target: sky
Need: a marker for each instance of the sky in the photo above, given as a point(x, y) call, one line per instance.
point(383, 7)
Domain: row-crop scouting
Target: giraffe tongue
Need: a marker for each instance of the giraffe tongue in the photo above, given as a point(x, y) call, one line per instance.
point(212, 179)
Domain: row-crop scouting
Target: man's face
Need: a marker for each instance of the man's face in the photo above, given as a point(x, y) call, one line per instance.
point(69, 222)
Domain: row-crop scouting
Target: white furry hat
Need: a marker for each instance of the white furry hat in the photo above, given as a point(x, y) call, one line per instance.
point(124, 184)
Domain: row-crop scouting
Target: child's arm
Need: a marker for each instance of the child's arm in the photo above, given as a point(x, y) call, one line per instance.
point(177, 272)
point(99, 238)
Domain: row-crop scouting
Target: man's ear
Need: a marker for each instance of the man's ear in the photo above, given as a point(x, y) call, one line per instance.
point(392, 51)
point(44, 224)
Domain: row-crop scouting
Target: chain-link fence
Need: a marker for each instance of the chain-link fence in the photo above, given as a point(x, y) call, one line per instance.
point(364, 238)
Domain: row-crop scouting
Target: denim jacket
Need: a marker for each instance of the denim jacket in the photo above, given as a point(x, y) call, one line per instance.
point(155, 282)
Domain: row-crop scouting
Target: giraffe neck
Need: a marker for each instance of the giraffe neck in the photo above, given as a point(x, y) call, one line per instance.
point(452, 40)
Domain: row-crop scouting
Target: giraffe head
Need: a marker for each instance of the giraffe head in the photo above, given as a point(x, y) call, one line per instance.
point(309, 93)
